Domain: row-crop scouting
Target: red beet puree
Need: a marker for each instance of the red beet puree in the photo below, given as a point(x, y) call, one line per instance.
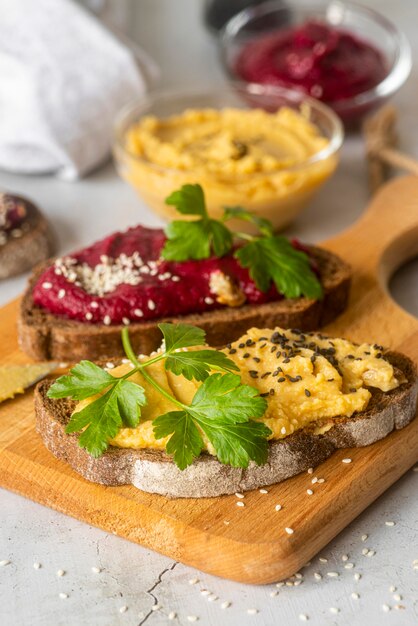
point(327, 63)
point(122, 278)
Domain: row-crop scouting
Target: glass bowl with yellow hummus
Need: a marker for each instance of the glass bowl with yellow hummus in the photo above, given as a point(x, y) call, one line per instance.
point(265, 148)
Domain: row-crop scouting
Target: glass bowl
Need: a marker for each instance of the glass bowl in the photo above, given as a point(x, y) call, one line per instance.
point(276, 195)
point(363, 23)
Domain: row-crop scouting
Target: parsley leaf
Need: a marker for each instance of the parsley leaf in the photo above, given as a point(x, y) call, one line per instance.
point(185, 442)
point(194, 239)
point(102, 418)
point(264, 226)
point(85, 380)
point(220, 407)
point(197, 364)
point(275, 259)
point(181, 336)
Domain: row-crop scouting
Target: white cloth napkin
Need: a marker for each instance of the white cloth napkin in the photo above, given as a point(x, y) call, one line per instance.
point(63, 79)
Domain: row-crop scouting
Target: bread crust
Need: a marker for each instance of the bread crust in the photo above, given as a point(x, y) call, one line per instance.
point(44, 336)
point(35, 245)
point(155, 472)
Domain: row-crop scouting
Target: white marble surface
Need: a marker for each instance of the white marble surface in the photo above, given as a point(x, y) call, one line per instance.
point(137, 578)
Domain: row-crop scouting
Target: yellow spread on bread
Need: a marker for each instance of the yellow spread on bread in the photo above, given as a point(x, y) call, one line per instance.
point(307, 379)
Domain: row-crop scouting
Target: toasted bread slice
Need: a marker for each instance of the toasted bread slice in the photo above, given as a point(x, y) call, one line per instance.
point(43, 335)
point(155, 472)
point(34, 245)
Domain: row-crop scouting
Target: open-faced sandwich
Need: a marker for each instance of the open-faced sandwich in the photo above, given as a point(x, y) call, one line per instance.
point(192, 421)
point(25, 237)
point(197, 272)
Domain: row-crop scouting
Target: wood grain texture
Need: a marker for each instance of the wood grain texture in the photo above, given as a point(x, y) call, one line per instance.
point(248, 544)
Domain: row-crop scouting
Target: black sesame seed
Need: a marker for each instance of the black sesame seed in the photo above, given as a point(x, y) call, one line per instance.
point(330, 380)
point(379, 355)
point(263, 339)
point(256, 359)
point(232, 351)
point(271, 392)
point(353, 390)
point(249, 342)
point(313, 358)
point(246, 355)
point(253, 374)
point(350, 356)
point(281, 379)
point(286, 360)
point(229, 346)
point(307, 393)
point(241, 345)
point(263, 346)
point(266, 374)
point(273, 348)
point(263, 395)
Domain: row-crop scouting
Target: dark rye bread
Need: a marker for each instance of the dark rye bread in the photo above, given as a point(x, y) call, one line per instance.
point(44, 336)
point(21, 254)
point(155, 472)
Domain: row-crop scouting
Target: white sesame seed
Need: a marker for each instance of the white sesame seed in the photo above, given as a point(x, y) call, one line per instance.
point(123, 609)
point(398, 606)
point(392, 589)
point(151, 305)
point(278, 507)
point(322, 559)
point(47, 285)
point(298, 575)
point(110, 365)
point(364, 537)
point(193, 581)
point(89, 315)
point(209, 300)
point(252, 611)
point(172, 615)
point(344, 557)
point(314, 480)
point(289, 583)
point(349, 566)
point(371, 553)
point(138, 313)
point(273, 594)
point(192, 618)
point(106, 320)
point(321, 480)
point(334, 610)
point(239, 495)
point(280, 584)
point(317, 576)
point(94, 304)
point(60, 572)
point(397, 597)
point(357, 576)
point(205, 592)
point(346, 460)
point(390, 523)
point(37, 566)
point(303, 617)
point(385, 608)
point(289, 531)
point(263, 491)
point(96, 570)
point(226, 522)
point(283, 430)
point(225, 605)
point(298, 582)
point(126, 321)
point(175, 279)
point(61, 294)
point(309, 492)
point(355, 595)
point(333, 574)
point(240, 503)
point(365, 551)
point(310, 470)
point(4, 563)
point(212, 598)
point(63, 596)
point(155, 607)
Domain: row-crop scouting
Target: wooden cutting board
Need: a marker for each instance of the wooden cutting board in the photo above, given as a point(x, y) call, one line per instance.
point(248, 544)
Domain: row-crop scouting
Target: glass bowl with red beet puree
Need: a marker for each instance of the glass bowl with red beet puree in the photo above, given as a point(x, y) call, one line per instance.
point(350, 57)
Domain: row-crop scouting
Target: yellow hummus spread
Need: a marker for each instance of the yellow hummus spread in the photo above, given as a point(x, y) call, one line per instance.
point(307, 379)
point(250, 157)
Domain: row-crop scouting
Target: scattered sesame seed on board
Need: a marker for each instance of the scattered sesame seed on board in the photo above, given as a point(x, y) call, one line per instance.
point(289, 531)
point(309, 492)
point(240, 503)
point(63, 596)
point(303, 617)
point(225, 605)
point(60, 573)
point(273, 594)
point(322, 559)
point(385, 608)
point(123, 609)
point(371, 553)
point(37, 566)
point(334, 610)
point(212, 598)
point(4, 562)
point(278, 507)
point(392, 589)
point(205, 592)
point(192, 618)
point(355, 595)
point(280, 584)
point(365, 551)
point(317, 576)
point(357, 576)
point(310, 470)
point(314, 480)
point(96, 570)
point(398, 606)
point(263, 491)
point(333, 574)
point(344, 557)
point(364, 537)
point(349, 566)
point(397, 597)
point(239, 495)
point(172, 615)
point(252, 611)
point(193, 581)
point(346, 460)
point(390, 523)
point(321, 480)
point(155, 607)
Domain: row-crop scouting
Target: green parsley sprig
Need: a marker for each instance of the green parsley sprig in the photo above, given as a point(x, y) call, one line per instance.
point(222, 407)
point(268, 257)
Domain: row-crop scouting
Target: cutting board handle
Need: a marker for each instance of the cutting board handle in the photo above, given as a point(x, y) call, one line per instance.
point(387, 233)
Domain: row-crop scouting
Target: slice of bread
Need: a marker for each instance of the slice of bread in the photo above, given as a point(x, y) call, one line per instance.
point(43, 335)
point(155, 472)
point(20, 254)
